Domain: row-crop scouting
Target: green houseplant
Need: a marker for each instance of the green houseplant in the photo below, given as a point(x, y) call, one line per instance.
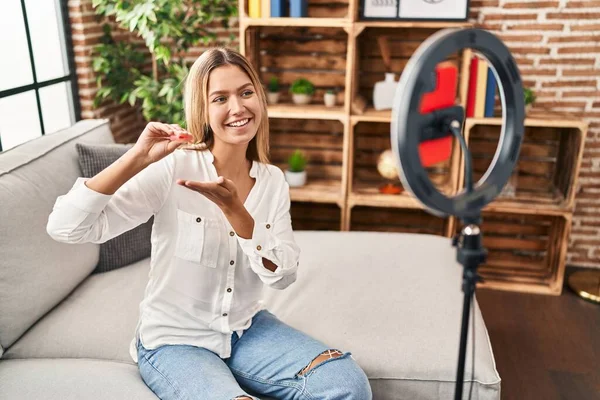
point(302, 90)
point(529, 98)
point(295, 174)
point(273, 90)
point(169, 29)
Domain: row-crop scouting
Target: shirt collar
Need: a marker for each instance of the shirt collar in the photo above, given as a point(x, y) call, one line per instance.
point(253, 169)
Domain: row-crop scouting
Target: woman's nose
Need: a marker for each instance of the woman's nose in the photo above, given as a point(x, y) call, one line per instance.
point(236, 105)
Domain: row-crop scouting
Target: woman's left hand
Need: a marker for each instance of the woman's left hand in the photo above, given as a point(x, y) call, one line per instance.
point(222, 192)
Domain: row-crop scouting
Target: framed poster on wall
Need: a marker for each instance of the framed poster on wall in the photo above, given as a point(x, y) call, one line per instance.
point(379, 9)
point(415, 10)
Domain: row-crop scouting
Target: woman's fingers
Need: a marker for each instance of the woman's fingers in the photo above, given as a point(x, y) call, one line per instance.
point(227, 184)
point(177, 128)
point(208, 187)
point(161, 130)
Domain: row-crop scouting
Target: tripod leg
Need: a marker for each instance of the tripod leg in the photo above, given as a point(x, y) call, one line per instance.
point(469, 289)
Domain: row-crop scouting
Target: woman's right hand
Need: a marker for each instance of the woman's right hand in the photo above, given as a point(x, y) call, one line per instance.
point(155, 143)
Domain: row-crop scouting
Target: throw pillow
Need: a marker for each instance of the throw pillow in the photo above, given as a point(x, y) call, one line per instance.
point(130, 246)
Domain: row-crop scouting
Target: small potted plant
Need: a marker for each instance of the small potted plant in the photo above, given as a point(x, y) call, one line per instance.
point(302, 90)
point(273, 91)
point(529, 99)
point(295, 174)
point(329, 98)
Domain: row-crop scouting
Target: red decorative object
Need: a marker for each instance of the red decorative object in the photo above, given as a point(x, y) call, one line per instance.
point(390, 188)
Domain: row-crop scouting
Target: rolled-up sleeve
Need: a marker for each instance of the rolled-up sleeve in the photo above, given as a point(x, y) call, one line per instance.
point(274, 240)
point(85, 216)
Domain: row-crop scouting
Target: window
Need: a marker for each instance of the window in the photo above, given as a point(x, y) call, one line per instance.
point(38, 83)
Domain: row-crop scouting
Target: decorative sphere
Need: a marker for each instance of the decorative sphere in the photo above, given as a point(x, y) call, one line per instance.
point(386, 165)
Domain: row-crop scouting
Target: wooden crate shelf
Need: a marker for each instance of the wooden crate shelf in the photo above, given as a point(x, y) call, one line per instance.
point(371, 197)
point(319, 191)
point(322, 141)
point(317, 217)
point(363, 218)
point(313, 111)
point(314, 53)
point(369, 140)
point(360, 26)
point(549, 161)
point(526, 252)
point(306, 22)
point(372, 115)
point(372, 55)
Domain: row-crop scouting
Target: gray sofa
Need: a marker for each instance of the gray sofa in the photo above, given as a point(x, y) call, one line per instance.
point(393, 300)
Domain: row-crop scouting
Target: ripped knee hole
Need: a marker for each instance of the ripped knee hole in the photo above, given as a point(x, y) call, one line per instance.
point(326, 355)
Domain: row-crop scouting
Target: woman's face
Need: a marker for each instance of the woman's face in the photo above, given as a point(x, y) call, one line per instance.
point(234, 109)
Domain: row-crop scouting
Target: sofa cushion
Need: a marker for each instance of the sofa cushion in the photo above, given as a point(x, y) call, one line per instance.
point(36, 272)
point(97, 320)
point(133, 245)
point(393, 300)
point(71, 379)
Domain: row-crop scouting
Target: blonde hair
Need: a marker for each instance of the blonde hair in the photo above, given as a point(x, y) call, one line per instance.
point(196, 101)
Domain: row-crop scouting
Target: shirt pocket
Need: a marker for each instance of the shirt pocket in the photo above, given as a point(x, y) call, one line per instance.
point(197, 239)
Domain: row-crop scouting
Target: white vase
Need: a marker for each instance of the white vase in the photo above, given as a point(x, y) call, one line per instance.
point(384, 91)
point(329, 99)
point(295, 179)
point(273, 97)
point(301, 98)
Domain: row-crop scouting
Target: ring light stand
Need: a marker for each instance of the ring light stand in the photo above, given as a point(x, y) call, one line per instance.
point(408, 126)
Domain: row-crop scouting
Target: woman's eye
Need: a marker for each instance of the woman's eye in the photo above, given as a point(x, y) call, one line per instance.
point(248, 92)
point(218, 99)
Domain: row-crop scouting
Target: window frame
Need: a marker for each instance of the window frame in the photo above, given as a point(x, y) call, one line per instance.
point(66, 35)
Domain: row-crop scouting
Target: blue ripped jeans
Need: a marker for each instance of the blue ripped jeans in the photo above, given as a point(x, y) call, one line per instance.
point(269, 359)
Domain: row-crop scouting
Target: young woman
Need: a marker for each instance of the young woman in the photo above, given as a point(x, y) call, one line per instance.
point(222, 230)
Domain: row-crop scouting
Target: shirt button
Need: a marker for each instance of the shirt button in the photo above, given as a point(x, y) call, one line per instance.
point(224, 314)
point(231, 262)
point(259, 248)
point(268, 226)
point(198, 219)
point(228, 290)
point(231, 233)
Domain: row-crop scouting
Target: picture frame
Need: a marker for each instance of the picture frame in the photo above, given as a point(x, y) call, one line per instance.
point(414, 10)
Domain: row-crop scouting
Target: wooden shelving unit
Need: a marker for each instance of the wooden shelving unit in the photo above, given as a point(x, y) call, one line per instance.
point(526, 230)
point(334, 50)
point(309, 111)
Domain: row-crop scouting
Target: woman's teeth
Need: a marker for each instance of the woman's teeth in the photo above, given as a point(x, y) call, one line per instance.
point(239, 123)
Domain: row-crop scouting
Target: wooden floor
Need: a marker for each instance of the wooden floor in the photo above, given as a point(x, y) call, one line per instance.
point(546, 347)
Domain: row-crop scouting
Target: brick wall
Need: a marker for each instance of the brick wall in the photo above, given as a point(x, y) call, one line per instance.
point(556, 44)
point(87, 31)
point(126, 122)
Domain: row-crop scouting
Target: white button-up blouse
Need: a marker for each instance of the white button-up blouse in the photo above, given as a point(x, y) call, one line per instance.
point(205, 281)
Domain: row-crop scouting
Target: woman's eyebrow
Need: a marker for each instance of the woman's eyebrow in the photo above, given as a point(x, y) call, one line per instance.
point(225, 91)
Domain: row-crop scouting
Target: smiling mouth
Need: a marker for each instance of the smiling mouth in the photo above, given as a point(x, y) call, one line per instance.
point(239, 124)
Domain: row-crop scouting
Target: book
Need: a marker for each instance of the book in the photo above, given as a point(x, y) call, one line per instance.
point(298, 8)
point(470, 111)
point(482, 73)
point(278, 8)
point(490, 94)
point(254, 8)
point(265, 8)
